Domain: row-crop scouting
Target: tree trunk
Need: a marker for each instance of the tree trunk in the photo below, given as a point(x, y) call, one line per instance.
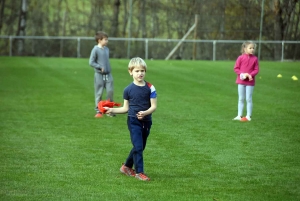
point(2, 4)
point(278, 28)
point(296, 32)
point(154, 25)
point(22, 26)
point(115, 21)
point(125, 20)
point(222, 21)
point(143, 18)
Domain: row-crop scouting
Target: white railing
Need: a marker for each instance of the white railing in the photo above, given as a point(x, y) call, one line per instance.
point(209, 47)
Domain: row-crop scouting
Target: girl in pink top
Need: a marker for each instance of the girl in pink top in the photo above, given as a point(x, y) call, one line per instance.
point(246, 67)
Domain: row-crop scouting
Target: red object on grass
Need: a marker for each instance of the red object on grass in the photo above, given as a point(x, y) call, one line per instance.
point(106, 103)
point(244, 119)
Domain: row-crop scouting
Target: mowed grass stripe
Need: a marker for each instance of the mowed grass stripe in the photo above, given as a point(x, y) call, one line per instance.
point(52, 148)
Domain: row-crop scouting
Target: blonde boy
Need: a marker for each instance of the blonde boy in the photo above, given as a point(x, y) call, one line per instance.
point(140, 101)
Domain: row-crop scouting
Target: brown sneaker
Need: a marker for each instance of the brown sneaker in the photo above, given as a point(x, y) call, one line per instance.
point(127, 171)
point(142, 176)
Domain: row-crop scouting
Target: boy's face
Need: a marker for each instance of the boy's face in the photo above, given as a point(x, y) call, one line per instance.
point(103, 42)
point(138, 73)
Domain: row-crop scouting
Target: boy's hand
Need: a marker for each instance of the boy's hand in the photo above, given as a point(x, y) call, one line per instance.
point(108, 110)
point(101, 70)
point(140, 115)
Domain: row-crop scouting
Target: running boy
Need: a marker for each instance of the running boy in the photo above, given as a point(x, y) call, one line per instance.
point(99, 60)
point(140, 101)
point(246, 68)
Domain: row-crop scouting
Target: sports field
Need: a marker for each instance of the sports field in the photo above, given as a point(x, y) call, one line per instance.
point(52, 147)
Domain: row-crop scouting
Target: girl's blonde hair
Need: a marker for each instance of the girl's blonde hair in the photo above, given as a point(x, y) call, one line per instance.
point(245, 44)
point(135, 62)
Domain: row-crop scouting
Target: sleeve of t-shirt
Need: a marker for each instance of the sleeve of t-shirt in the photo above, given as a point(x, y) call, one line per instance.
point(125, 94)
point(153, 93)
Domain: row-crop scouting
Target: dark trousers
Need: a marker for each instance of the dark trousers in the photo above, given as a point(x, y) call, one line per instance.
point(139, 132)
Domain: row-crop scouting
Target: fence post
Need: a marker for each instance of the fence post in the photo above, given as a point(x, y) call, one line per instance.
point(78, 48)
point(10, 46)
point(282, 50)
point(214, 50)
point(146, 49)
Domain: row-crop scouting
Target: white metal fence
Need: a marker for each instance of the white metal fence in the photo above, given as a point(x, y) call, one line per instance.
point(148, 48)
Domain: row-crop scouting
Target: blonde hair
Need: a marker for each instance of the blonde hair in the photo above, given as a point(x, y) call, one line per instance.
point(245, 44)
point(135, 62)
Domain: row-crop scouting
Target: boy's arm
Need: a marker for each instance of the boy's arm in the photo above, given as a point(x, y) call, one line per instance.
point(119, 110)
point(152, 109)
point(93, 60)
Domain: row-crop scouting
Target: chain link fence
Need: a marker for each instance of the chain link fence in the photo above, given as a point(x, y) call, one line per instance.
point(80, 47)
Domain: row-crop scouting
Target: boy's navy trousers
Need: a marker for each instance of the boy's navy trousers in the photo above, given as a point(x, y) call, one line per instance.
point(139, 132)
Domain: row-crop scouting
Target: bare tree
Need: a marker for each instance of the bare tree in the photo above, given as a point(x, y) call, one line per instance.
point(2, 4)
point(222, 20)
point(115, 20)
point(125, 17)
point(218, 19)
point(283, 12)
point(22, 26)
point(154, 20)
point(295, 31)
point(142, 19)
point(96, 19)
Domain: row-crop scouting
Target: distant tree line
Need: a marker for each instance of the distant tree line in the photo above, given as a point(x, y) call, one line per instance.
point(218, 19)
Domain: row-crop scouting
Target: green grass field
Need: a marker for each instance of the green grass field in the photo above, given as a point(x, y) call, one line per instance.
point(52, 147)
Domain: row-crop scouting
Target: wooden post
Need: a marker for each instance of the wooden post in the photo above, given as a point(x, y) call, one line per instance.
point(195, 37)
point(182, 40)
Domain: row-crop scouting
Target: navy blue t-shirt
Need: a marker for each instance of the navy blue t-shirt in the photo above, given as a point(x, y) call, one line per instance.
point(139, 98)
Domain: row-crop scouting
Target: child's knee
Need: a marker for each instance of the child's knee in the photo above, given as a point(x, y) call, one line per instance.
point(249, 100)
point(241, 99)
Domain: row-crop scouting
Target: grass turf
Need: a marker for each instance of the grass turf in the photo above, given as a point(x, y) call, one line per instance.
point(52, 147)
